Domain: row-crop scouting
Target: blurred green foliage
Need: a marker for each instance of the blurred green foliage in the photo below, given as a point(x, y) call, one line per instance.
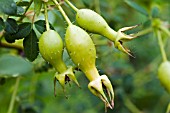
point(136, 85)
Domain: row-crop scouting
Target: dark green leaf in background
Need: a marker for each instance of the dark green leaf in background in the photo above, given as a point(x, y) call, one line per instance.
point(37, 6)
point(8, 7)
point(27, 108)
point(9, 38)
point(13, 66)
point(2, 81)
point(87, 3)
point(11, 26)
point(2, 24)
point(136, 7)
point(40, 26)
point(20, 10)
point(23, 3)
point(147, 24)
point(155, 12)
point(31, 46)
point(23, 30)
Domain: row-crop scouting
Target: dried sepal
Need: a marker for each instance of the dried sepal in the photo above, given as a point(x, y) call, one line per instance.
point(97, 87)
point(106, 82)
point(122, 37)
point(65, 77)
point(119, 46)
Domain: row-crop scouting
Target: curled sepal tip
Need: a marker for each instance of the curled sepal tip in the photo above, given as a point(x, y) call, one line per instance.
point(97, 88)
point(65, 77)
point(120, 47)
point(122, 37)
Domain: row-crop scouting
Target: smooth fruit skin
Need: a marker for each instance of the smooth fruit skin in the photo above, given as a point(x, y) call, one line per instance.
point(81, 49)
point(164, 75)
point(93, 22)
point(51, 49)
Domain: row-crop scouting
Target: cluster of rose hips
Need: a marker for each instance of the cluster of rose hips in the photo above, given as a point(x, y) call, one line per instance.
point(81, 50)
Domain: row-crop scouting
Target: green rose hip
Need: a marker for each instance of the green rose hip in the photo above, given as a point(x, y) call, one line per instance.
point(93, 22)
point(51, 49)
point(164, 75)
point(83, 53)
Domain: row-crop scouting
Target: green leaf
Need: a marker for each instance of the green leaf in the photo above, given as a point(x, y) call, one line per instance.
point(9, 38)
point(13, 66)
point(40, 26)
point(23, 3)
point(2, 81)
point(147, 23)
point(87, 3)
point(37, 6)
point(8, 7)
point(155, 12)
point(23, 30)
point(2, 24)
point(136, 7)
point(20, 10)
point(31, 46)
point(11, 26)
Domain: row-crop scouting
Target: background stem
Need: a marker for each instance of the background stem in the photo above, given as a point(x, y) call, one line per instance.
point(33, 87)
point(23, 16)
point(143, 32)
point(164, 57)
point(165, 30)
point(131, 106)
point(46, 17)
point(12, 46)
point(71, 5)
point(97, 6)
point(11, 105)
point(168, 108)
point(62, 12)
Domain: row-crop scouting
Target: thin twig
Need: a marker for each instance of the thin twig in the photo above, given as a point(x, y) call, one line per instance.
point(46, 17)
point(13, 46)
point(158, 33)
point(12, 102)
point(23, 16)
point(168, 108)
point(62, 12)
